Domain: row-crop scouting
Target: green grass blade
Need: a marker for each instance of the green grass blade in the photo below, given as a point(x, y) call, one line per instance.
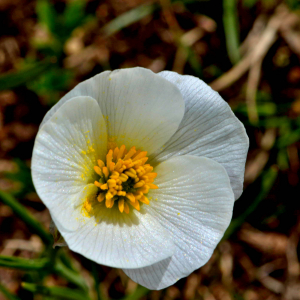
point(289, 139)
point(137, 294)
point(70, 275)
point(26, 217)
point(96, 281)
point(21, 77)
point(56, 292)
point(231, 28)
point(128, 18)
point(23, 264)
point(74, 14)
point(7, 294)
point(46, 14)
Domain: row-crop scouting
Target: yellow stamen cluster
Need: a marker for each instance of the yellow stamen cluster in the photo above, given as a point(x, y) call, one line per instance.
point(125, 178)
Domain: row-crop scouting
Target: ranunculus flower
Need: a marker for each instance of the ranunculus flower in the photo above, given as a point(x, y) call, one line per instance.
point(140, 171)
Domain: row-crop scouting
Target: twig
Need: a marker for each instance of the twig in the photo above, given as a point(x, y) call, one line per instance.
point(267, 39)
point(290, 34)
point(270, 283)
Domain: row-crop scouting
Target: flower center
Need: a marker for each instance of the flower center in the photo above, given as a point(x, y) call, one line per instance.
point(125, 178)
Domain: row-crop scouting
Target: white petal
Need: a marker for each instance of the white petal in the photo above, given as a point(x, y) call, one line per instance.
point(141, 108)
point(62, 169)
point(120, 240)
point(209, 128)
point(194, 203)
point(65, 152)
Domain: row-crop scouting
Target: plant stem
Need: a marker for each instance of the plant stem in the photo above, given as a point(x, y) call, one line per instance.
point(26, 217)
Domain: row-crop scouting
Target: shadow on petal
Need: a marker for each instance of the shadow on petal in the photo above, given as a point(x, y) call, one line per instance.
point(153, 277)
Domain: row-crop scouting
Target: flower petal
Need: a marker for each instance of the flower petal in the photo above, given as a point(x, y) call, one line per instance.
point(209, 128)
point(65, 152)
point(119, 240)
point(194, 203)
point(141, 108)
point(63, 174)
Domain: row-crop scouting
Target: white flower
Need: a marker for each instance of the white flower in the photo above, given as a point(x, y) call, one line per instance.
point(159, 219)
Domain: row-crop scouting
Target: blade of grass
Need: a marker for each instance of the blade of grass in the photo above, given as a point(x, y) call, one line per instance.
point(26, 217)
point(70, 275)
point(23, 264)
point(128, 18)
point(267, 181)
point(288, 139)
point(11, 80)
point(56, 292)
point(231, 28)
point(137, 294)
point(96, 280)
point(46, 14)
point(7, 294)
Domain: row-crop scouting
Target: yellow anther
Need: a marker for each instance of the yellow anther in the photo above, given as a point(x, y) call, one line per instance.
point(98, 184)
point(109, 157)
point(101, 164)
point(115, 175)
point(130, 174)
point(137, 163)
point(121, 193)
point(111, 167)
point(116, 151)
point(144, 189)
point(98, 170)
point(126, 208)
point(101, 197)
point(152, 175)
point(130, 153)
point(113, 191)
point(130, 197)
point(121, 205)
point(144, 199)
point(118, 165)
point(121, 152)
point(124, 171)
point(128, 164)
point(136, 204)
point(138, 196)
point(105, 172)
point(144, 159)
point(108, 195)
point(148, 168)
point(152, 186)
point(140, 155)
point(111, 183)
point(104, 186)
point(132, 170)
point(136, 154)
point(123, 177)
point(145, 178)
point(139, 184)
point(109, 203)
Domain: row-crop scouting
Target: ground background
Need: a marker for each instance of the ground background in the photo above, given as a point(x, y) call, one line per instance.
point(248, 50)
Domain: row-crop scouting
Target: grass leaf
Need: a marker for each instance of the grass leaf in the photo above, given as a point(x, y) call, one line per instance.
point(26, 217)
point(11, 80)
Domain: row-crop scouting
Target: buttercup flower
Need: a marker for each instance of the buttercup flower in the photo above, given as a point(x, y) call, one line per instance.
point(140, 171)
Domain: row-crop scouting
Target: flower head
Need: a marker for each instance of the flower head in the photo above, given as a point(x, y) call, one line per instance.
point(140, 171)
